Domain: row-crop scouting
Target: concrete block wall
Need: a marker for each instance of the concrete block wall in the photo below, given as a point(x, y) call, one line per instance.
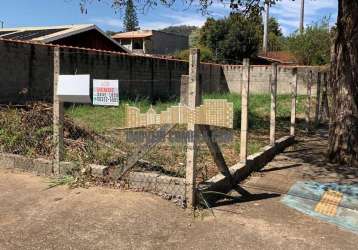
point(28, 69)
point(26, 73)
point(138, 76)
point(212, 78)
point(259, 78)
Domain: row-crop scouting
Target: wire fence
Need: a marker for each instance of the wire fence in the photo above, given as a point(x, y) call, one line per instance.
point(94, 135)
point(111, 145)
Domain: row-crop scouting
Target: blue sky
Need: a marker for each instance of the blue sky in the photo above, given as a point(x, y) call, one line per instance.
point(57, 12)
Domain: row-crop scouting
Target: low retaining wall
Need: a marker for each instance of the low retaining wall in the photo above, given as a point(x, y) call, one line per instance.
point(156, 182)
point(144, 181)
point(38, 166)
point(239, 171)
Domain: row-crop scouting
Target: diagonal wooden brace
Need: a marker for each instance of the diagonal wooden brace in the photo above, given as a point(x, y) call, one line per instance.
point(219, 158)
point(162, 132)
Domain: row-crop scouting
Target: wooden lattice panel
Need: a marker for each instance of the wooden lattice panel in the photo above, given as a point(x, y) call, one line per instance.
point(218, 112)
point(329, 203)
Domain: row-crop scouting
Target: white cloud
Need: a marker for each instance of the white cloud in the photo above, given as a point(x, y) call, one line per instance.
point(154, 25)
point(185, 19)
point(288, 12)
point(112, 22)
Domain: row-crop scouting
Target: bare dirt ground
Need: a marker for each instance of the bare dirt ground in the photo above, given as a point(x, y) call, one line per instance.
point(34, 217)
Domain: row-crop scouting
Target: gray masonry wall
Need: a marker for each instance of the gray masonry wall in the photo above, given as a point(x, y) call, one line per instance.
point(26, 73)
point(259, 78)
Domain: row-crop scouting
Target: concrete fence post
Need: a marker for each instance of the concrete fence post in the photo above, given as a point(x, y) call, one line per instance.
point(324, 109)
point(309, 102)
point(245, 91)
point(58, 115)
point(273, 91)
point(293, 102)
point(194, 100)
point(184, 93)
point(318, 100)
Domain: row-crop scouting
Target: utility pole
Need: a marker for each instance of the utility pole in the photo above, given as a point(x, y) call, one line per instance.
point(2, 24)
point(266, 21)
point(302, 16)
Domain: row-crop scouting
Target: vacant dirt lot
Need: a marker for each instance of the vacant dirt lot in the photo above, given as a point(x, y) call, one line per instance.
point(33, 217)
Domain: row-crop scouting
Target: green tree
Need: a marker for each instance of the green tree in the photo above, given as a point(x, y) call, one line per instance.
point(130, 22)
point(194, 38)
point(233, 38)
point(276, 40)
point(274, 27)
point(205, 54)
point(312, 47)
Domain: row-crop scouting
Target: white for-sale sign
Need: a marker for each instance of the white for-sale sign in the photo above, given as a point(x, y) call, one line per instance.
point(105, 92)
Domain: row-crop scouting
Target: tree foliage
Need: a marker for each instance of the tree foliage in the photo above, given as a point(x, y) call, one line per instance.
point(312, 47)
point(194, 39)
point(130, 22)
point(233, 38)
point(276, 40)
point(184, 30)
point(205, 54)
point(274, 27)
point(238, 36)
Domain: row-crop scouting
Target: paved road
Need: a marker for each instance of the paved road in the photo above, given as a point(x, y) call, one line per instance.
point(97, 218)
point(306, 160)
point(33, 217)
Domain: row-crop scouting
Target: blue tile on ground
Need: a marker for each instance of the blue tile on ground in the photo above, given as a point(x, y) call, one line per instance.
point(304, 196)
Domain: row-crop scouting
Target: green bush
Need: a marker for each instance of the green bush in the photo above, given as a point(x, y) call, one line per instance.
point(312, 47)
point(205, 54)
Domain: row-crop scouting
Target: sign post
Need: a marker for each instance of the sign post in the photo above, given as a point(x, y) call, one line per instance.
point(58, 115)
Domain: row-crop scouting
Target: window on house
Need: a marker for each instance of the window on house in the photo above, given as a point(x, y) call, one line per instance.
point(125, 42)
point(137, 44)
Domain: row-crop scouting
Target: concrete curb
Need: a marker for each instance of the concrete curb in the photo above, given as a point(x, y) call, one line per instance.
point(145, 181)
point(38, 166)
point(239, 171)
